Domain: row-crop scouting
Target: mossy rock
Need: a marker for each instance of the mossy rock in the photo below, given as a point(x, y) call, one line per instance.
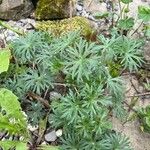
point(66, 25)
point(52, 9)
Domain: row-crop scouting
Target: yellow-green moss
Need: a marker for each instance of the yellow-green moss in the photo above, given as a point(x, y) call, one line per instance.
point(52, 9)
point(66, 25)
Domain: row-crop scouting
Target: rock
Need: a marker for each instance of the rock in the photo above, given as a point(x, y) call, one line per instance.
point(59, 133)
point(54, 9)
point(15, 9)
point(24, 25)
point(95, 6)
point(54, 95)
point(79, 8)
point(32, 128)
point(51, 136)
point(66, 25)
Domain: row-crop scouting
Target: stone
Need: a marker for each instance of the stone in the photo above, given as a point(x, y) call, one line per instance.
point(15, 9)
point(66, 25)
point(54, 9)
point(59, 133)
point(51, 136)
point(54, 95)
point(95, 6)
point(79, 7)
point(32, 128)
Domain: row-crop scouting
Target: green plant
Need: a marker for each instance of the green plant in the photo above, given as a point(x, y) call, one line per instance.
point(116, 141)
point(12, 120)
point(123, 49)
point(144, 118)
point(81, 60)
point(26, 48)
point(4, 58)
point(92, 93)
point(37, 80)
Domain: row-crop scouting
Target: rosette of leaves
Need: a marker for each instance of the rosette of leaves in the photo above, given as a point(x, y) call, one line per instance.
point(36, 80)
point(123, 49)
point(81, 60)
point(116, 141)
point(26, 47)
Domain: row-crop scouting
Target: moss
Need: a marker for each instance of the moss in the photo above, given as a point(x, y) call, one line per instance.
point(114, 69)
point(52, 9)
point(66, 25)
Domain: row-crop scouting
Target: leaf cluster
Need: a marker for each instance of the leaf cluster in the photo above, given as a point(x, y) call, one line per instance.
point(92, 90)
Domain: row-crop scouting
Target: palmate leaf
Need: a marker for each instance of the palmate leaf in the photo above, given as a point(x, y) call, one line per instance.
point(37, 80)
point(115, 85)
point(81, 60)
point(144, 13)
point(116, 141)
point(129, 52)
point(126, 24)
point(71, 141)
point(4, 60)
point(93, 99)
point(25, 48)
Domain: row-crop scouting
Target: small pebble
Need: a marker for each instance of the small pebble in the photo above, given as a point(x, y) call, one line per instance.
point(51, 136)
point(32, 128)
point(59, 133)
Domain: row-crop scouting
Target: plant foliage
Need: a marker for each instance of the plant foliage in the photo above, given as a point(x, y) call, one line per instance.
point(4, 59)
point(84, 67)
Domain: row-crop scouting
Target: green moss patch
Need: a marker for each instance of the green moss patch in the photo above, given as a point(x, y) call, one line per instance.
point(66, 25)
point(52, 9)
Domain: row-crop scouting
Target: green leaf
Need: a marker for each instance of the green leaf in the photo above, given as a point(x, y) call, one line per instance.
point(99, 15)
point(144, 13)
point(6, 145)
point(126, 24)
point(126, 1)
point(147, 31)
point(4, 60)
point(14, 120)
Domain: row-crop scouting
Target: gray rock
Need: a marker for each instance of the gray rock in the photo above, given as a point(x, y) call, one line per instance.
point(25, 25)
point(15, 9)
point(54, 95)
point(79, 8)
point(51, 136)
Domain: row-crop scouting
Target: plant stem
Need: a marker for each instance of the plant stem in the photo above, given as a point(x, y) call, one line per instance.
point(39, 98)
point(90, 4)
point(137, 28)
point(5, 25)
point(139, 95)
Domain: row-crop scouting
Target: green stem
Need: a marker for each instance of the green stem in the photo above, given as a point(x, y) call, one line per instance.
point(5, 25)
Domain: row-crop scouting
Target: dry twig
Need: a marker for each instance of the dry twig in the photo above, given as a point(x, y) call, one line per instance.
point(39, 98)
